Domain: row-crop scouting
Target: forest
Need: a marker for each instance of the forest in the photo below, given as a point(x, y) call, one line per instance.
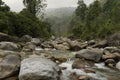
point(80, 42)
point(100, 19)
point(24, 22)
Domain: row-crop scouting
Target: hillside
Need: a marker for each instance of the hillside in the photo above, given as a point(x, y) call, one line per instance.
point(59, 18)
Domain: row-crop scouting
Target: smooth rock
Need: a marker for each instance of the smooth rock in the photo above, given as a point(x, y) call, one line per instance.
point(9, 64)
point(90, 54)
point(38, 69)
point(8, 46)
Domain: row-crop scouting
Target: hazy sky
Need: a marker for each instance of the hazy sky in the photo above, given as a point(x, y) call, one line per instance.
point(17, 5)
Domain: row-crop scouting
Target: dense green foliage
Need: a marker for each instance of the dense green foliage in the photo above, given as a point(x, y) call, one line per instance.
point(98, 20)
point(22, 23)
point(34, 6)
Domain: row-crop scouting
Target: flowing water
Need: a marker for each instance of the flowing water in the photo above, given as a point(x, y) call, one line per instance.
point(102, 72)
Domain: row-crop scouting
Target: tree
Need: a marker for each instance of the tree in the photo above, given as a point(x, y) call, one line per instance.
point(3, 6)
point(1, 3)
point(81, 10)
point(93, 11)
point(100, 20)
point(34, 6)
point(19, 24)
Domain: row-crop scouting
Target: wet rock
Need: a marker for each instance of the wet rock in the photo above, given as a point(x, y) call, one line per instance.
point(90, 54)
point(8, 46)
point(9, 64)
point(118, 65)
point(38, 69)
point(81, 63)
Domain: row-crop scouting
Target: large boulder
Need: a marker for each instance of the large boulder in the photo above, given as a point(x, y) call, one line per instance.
point(90, 54)
point(8, 46)
point(9, 64)
point(38, 69)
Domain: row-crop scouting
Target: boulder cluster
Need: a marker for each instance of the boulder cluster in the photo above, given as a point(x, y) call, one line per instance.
point(22, 58)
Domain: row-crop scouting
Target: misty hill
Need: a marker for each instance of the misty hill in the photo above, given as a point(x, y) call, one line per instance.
point(59, 18)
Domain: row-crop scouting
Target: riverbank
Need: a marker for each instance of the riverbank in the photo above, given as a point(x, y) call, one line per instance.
point(28, 58)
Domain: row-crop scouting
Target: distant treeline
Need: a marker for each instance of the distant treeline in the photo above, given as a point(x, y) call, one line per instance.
point(98, 20)
point(25, 22)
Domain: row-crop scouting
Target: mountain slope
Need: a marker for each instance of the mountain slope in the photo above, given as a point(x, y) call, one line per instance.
point(59, 18)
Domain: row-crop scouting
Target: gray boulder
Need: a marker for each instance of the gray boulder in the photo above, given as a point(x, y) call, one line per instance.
point(38, 69)
point(8, 46)
point(90, 54)
point(9, 64)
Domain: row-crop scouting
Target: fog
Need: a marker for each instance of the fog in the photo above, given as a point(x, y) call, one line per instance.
point(17, 5)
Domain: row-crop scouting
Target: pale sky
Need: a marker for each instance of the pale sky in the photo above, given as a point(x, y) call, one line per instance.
point(17, 5)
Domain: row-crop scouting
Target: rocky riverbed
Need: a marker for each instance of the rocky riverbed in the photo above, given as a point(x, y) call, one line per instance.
point(28, 58)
